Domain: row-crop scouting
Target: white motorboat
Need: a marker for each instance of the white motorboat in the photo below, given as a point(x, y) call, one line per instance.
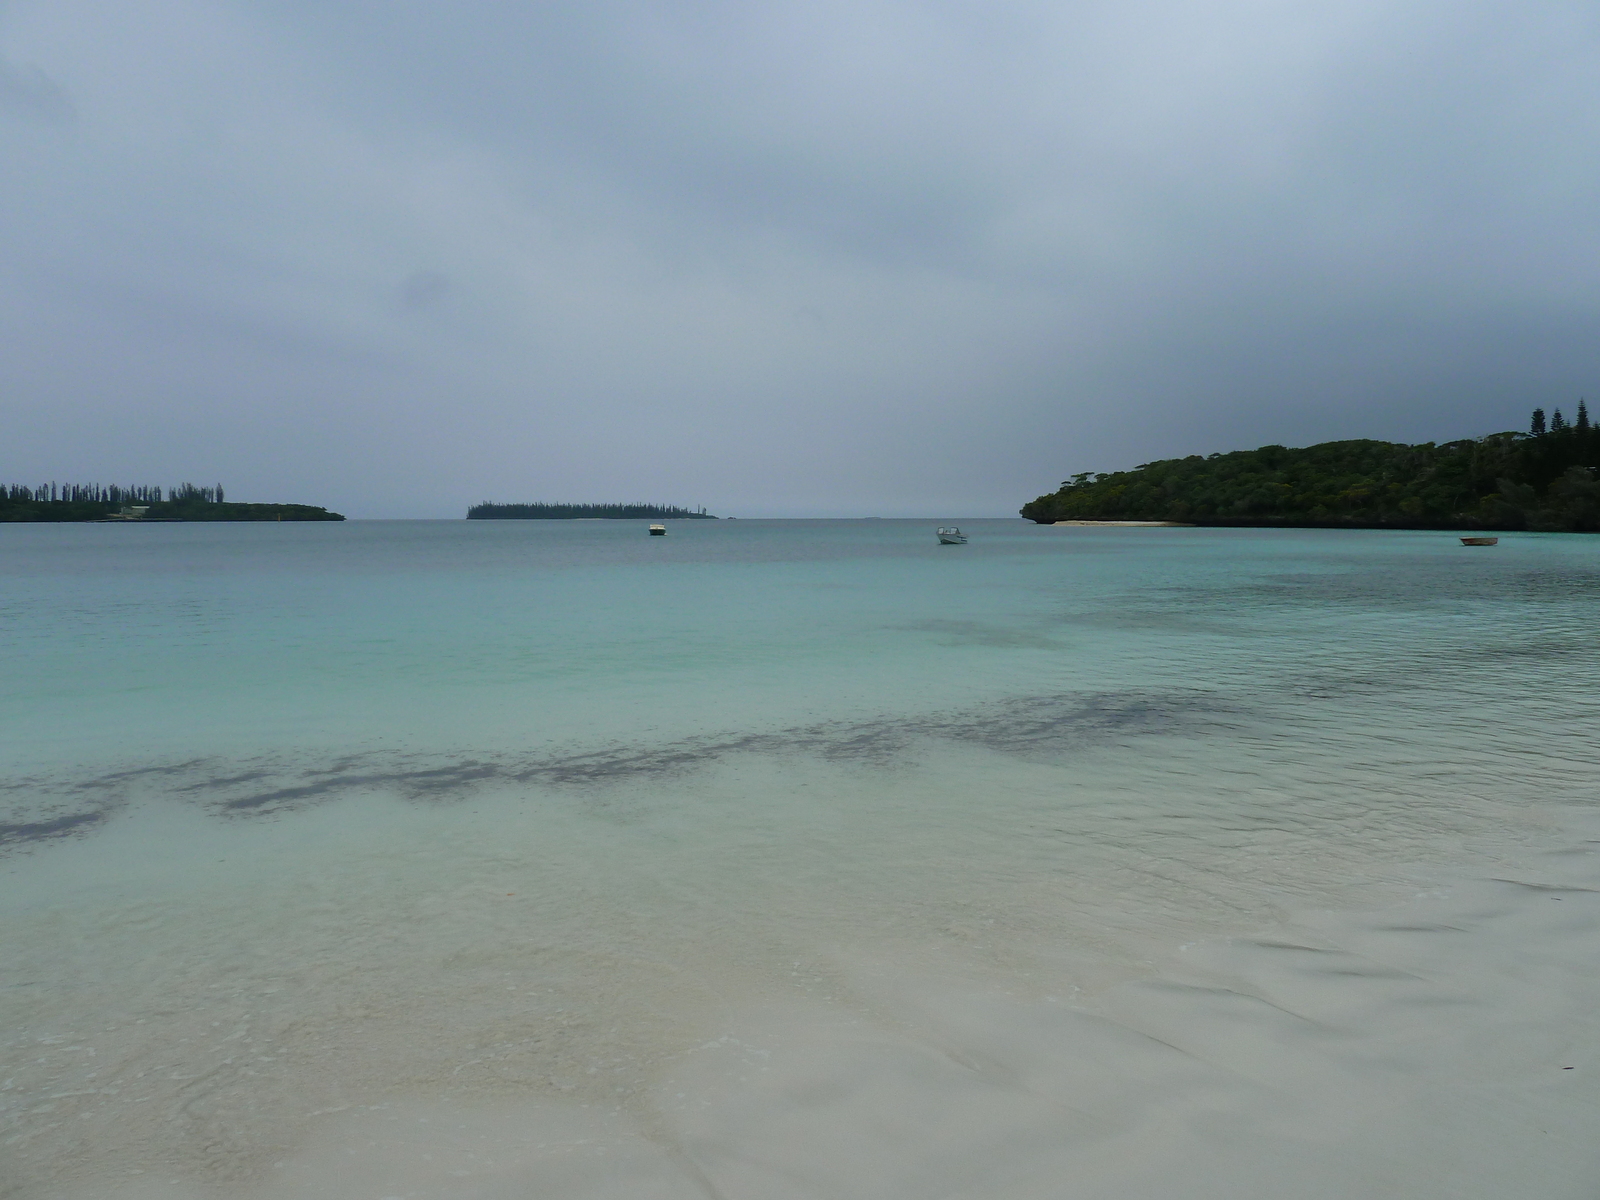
point(951, 536)
point(658, 531)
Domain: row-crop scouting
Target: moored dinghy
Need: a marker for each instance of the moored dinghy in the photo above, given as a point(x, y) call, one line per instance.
point(1479, 541)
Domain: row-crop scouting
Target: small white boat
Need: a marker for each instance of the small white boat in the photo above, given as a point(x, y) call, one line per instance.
point(951, 536)
point(658, 531)
point(1479, 541)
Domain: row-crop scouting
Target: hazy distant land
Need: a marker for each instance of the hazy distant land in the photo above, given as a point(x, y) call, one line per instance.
point(581, 512)
point(1543, 480)
point(186, 502)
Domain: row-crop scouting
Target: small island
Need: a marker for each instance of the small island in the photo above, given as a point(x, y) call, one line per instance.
point(186, 502)
point(585, 512)
point(1544, 479)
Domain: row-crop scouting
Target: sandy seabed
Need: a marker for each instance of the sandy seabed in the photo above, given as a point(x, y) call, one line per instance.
point(1438, 1045)
point(1443, 1048)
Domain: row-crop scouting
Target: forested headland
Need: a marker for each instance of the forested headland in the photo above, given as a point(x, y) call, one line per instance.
point(578, 512)
point(186, 502)
point(1544, 479)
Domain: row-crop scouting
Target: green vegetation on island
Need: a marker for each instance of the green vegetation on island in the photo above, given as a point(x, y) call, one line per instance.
point(1544, 479)
point(579, 512)
point(186, 502)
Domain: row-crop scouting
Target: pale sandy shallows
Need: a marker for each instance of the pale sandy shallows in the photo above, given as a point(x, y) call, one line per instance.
point(1444, 1048)
point(797, 861)
point(1441, 1045)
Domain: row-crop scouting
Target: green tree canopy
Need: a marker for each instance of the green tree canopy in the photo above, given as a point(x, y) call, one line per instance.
point(1502, 481)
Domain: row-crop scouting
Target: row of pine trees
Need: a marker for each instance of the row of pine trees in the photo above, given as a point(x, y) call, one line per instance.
point(94, 493)
point(1558, 423)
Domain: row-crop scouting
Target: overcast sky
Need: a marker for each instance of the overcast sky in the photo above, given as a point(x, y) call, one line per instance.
point(778, 257)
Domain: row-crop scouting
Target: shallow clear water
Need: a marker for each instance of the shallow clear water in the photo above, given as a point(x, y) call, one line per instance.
point(308, 819)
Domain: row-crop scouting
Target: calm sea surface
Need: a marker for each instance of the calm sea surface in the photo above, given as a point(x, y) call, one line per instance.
point(301, 819)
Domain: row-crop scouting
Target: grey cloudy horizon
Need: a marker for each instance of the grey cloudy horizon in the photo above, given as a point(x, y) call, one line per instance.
point(879, 258)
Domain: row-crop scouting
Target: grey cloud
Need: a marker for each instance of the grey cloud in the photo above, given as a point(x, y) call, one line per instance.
point(882, 256)
point(423, 289)
point(29, 93)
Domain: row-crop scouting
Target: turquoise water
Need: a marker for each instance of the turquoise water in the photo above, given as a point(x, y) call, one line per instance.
point(509, 635)
point(510, 810)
